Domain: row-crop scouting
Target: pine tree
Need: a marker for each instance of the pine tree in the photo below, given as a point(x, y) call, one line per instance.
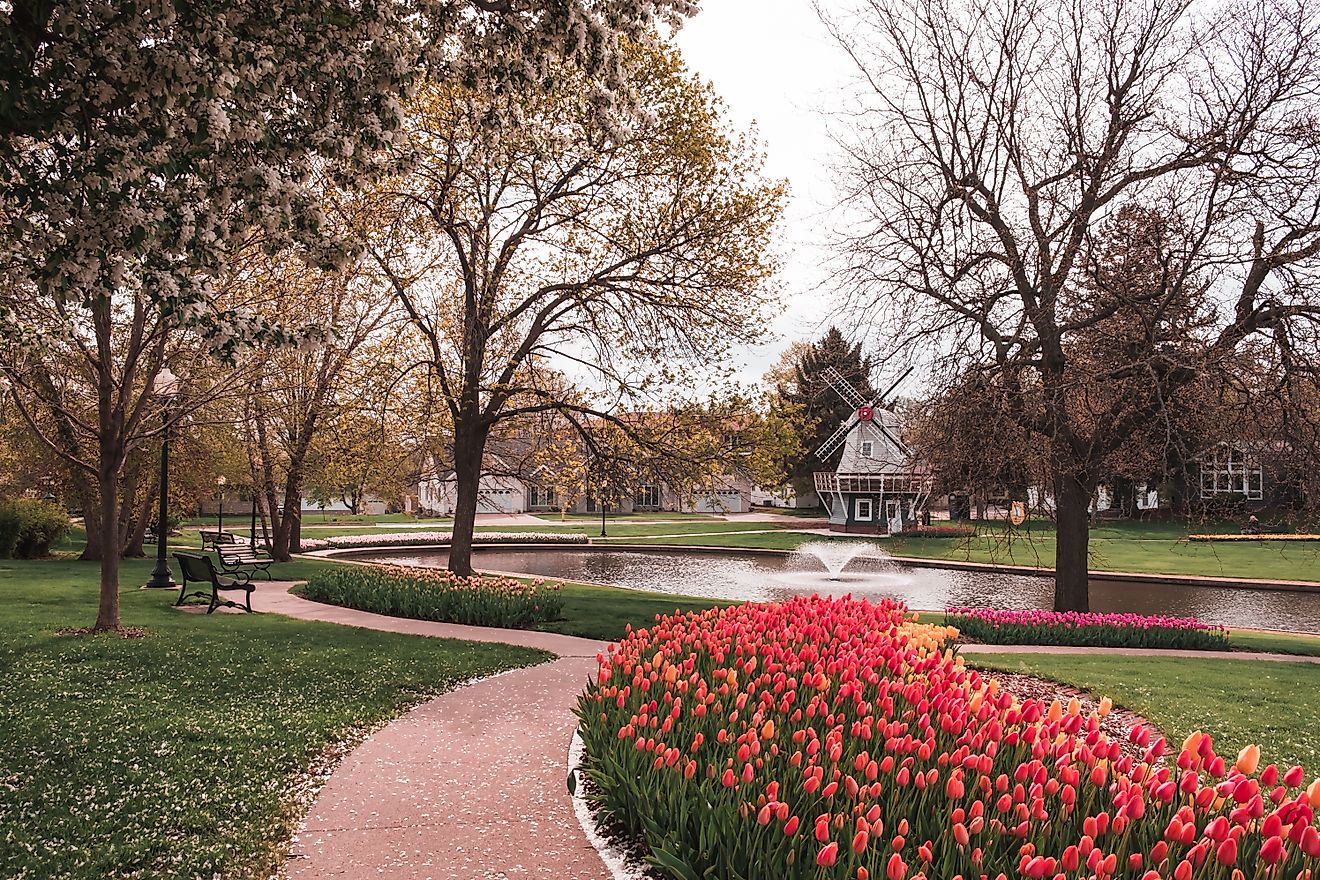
point(823, 406)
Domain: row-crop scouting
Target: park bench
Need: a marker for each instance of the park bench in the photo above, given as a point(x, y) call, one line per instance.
point(215, 537)
point(243, 561)
point(200, 569)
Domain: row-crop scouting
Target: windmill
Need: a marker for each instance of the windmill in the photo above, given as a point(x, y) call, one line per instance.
point(876, 487)
point(863, 411)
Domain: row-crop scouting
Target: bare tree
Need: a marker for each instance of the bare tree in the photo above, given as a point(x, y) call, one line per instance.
point(993, 144)
point(625, 252)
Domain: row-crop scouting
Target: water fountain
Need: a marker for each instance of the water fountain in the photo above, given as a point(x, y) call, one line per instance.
point(835, 555)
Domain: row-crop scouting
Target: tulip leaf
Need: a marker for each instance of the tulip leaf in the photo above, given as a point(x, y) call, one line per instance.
point(663, 858)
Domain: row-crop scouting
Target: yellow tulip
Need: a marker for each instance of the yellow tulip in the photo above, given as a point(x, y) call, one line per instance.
point(1193, 741)
point(1106, 705)
point(1248, 759)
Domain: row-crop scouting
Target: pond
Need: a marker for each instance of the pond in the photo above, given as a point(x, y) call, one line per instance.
point(755, 576)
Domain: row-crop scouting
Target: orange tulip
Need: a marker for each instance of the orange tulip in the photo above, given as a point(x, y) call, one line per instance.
point(1248, 759)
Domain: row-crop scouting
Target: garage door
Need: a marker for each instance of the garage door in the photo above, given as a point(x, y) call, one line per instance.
point(497, 501)
point(723, 501)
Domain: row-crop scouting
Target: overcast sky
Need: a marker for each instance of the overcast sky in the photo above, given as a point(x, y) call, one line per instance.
point(775, 65)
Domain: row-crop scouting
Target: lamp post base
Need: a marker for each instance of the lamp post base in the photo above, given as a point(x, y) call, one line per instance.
point(161, 580)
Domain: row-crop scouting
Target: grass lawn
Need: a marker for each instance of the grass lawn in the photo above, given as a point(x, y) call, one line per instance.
point(239, 517)
point(174, 755)
point(1237, 701)
point(1140, 547)
point(1277, 643)
point(596, 612)
point(658, 516)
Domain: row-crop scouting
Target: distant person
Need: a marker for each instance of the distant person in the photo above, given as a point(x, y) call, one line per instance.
point(1253, 525)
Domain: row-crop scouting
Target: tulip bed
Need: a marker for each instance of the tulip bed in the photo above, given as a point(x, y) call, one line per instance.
point(1001, 627)
point(833, 738)
point(434, 594)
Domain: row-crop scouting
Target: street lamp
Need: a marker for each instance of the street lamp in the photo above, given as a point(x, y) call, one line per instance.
point(220, 514)
point(165, 386)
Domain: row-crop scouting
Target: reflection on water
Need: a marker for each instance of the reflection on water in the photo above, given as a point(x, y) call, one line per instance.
point(733, 575)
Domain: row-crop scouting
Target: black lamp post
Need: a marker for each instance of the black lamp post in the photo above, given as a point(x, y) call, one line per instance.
point(166, 385)
point(220, 512)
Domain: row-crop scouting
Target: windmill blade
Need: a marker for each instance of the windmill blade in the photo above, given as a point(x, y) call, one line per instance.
point(880, 399)
point(898, 444)
point(835, 440)
point(843, 387)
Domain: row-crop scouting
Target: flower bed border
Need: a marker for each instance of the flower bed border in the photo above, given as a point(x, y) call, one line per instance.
point(997, 626)
point(1281, 536)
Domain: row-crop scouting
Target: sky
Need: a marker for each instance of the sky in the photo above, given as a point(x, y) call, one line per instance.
point(776, 66)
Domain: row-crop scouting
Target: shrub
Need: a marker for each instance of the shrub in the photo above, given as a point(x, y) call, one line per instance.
point(29, 528)
point(432, 594)
point(1000, 627)
point(439, 539)
point(10, 523)
point(938, 532)
point(832, 738)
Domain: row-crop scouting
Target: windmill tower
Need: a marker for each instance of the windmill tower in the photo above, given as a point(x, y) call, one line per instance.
point(878, 488)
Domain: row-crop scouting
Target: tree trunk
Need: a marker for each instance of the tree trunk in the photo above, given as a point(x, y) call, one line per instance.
point(469, 449)
point(1073, 501)
point(91, 505)
point(287, 537)
point(137, 531)
point(107, 615)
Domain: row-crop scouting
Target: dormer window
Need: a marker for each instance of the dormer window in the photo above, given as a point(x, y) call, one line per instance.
point(866, 448)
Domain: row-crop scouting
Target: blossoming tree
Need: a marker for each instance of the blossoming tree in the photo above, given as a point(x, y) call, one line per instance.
point(143, 142)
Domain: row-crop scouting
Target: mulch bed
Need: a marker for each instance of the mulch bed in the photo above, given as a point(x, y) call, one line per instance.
point(127, 632)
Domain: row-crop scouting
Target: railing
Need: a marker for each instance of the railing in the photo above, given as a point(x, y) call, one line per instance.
point(902, 483)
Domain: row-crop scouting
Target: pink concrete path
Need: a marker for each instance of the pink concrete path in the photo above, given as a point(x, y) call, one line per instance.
point(471, 785)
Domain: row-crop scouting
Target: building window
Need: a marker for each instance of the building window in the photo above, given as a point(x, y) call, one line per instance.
point(867, 446)
point(1230, 471)
point(863, 509)
point(647, 496)
point(539, 497)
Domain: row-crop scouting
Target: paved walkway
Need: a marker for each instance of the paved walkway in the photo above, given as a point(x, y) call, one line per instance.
point(471, 785)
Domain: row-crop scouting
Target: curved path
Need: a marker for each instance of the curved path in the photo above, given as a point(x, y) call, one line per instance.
point(471, 785)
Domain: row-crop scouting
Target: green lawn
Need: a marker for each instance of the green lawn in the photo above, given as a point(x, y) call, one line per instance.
point(174, 755)
point(597, 612)
point(1140, 547)
point(1276, 643)
point(1237, 701)
point(659, 516)
point(240, 517)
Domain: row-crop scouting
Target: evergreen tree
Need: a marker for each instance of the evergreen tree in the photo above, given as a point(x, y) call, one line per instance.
point(824, 409)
